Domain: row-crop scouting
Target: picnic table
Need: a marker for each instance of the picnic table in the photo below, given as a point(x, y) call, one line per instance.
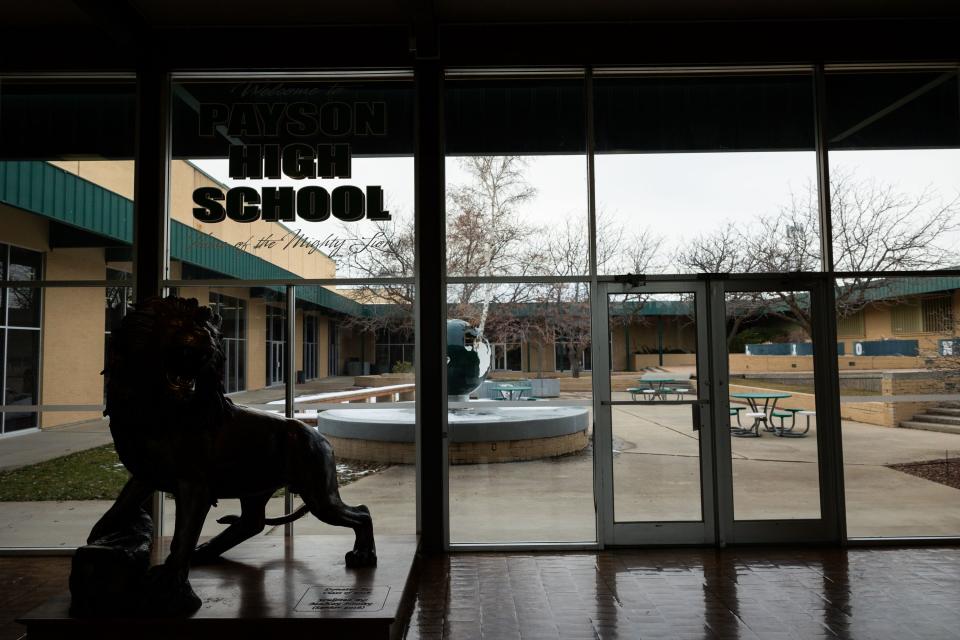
point(511, 391)
point(657, 384)
point(760, 416)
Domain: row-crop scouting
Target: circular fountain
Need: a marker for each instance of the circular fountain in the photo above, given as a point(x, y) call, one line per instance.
point(485, 431)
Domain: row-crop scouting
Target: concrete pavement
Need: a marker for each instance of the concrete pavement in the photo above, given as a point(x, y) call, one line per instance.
point(36, 446)
point(656, 471)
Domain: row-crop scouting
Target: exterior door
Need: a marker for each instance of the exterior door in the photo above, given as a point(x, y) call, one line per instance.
point(333, 349)
point(653, 436)
point(275, 367)
point(714, 408)
point(777, 411)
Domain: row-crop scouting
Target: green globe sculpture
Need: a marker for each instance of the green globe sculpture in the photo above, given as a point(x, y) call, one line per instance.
point(468, 358)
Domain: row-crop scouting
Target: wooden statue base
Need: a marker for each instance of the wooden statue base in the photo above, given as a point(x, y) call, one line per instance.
point(267, 587)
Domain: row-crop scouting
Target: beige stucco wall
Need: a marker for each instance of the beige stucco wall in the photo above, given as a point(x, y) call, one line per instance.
point(118, 176)
point(256, 343)
point(643, 360)
point(538, 349)
point(878, 326)
point(323, 340)
point(24, 230)
point(73, 336)
point(298, 350)
point(619, 348)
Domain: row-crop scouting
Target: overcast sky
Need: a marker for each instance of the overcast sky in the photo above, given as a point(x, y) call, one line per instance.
point(676, 196)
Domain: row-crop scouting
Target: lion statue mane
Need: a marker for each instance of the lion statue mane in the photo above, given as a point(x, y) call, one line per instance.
point(176, 431)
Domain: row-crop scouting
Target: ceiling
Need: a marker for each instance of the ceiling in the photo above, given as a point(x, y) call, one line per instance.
point(252, 13)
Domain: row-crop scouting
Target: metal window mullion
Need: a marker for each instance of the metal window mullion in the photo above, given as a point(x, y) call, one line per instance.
point(289, 388)
point(3, 377)
point(823, 169)
point(600, 329)
point(827, 398)
point(532, 279)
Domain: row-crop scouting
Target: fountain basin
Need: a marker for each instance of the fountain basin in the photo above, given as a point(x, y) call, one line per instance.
point(484, 434)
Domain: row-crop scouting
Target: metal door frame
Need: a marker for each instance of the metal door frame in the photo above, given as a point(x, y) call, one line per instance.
point(719, 526)
point(609, 532)
point(830, 527)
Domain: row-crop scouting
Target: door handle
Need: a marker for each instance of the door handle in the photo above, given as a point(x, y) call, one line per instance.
point(696, 416)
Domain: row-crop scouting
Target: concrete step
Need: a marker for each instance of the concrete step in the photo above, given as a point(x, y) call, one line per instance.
point(926, 417)
point(931, 426)
point(944, 411)
point(950, 404)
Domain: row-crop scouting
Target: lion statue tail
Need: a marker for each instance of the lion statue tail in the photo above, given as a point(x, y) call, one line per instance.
point(284, 519)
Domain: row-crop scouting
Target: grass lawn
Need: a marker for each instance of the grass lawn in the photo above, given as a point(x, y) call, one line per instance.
point(94, 474)
point(98, 474)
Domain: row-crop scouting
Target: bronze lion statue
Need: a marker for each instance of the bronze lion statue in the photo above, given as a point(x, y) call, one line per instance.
point(176, 431)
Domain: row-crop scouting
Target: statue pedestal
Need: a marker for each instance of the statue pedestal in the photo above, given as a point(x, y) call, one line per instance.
point(266, 588)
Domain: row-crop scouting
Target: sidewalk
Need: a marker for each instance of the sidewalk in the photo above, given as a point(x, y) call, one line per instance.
point(37, 446)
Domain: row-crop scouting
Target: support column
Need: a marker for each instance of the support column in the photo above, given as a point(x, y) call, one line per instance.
point(150, 197)
point(430, 305)
point(150, 179)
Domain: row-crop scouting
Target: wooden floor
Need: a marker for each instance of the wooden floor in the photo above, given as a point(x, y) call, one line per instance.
point(871, 593)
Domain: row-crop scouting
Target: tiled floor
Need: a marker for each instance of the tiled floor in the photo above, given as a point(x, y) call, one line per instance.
point(26, 583)
point(748, 593)
point(872, 594)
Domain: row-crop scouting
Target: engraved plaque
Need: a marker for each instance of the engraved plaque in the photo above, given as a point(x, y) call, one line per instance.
point(335, 598)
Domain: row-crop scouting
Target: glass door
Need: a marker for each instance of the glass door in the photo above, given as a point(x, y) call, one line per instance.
point(775, 395)
point(716, 412)
point(653, 434)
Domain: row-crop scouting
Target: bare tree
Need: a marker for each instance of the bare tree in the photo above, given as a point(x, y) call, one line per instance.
point(390, 255)
point(486, 232)
point(875, 228)
point(486, 235)
point(563, 309)
point(725, 251)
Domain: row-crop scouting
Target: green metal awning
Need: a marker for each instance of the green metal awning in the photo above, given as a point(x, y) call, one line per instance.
point(46, 190)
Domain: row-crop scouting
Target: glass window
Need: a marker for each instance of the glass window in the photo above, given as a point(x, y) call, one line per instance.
point(516, 185)
point(937, 314)
point(291, 179)
point(287, 179)
point(232, 311)
point(520, 455)
point(20, 328)
point(276, 332)
point(706, 174)
point(894, 142)
point(21, 378)
point(516, 178)
point(851, 325)
point(23, 305)
point(367, 412)
point(311, 347)
point(772, 389)
point(898, 404)
point(66, 206)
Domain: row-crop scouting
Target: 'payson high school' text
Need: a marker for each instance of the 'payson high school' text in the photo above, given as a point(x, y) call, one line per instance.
point(297, 161)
